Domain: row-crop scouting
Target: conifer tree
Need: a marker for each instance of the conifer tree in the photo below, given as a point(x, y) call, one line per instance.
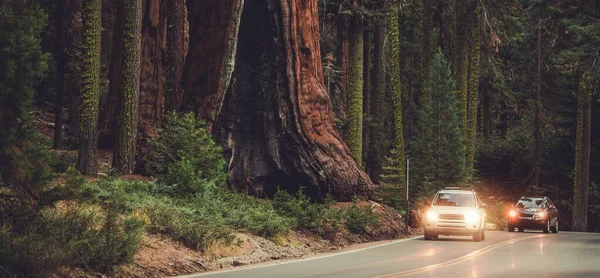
point(355, 90)
point(124, 155)
point(90, 88)
point(438, 150)
point(395, 80)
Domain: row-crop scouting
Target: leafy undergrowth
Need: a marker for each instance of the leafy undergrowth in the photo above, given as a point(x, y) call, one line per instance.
point(122, 225)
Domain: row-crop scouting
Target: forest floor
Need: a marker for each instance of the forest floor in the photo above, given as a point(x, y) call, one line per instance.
point(161, 256)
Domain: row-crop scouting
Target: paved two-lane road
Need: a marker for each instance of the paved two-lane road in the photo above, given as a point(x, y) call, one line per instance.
point(503, 254)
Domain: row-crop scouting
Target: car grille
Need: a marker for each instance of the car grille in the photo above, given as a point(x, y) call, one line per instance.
point(452, 217)
point(526, 214)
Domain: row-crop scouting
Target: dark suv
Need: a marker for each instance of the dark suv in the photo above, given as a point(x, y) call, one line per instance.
point(533, 213)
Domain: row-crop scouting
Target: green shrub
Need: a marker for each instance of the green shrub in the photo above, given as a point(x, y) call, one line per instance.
point(359, 218)
point(61, 161)
point(37, 244)
point(299, 208)
point(330, 222)
point(185, 158)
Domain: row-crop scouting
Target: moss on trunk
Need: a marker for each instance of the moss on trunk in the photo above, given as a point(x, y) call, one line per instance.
point(473, 91)
point(396, 94)
point(355, 90)
point(124, 154)
point(90, 88)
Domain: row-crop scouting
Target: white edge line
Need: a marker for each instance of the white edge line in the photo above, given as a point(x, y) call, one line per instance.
point(300, 260)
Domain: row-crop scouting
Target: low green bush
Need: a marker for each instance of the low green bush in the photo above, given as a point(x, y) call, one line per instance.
point(300, 208)
point(359, 218)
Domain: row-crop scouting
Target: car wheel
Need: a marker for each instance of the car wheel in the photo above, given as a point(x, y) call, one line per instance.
point(434, 236)
point(521, 229)
point(511, 228)
point(482, 234)
point(477, 236)
point(428, 236)
point(555, 227)
point(546, 228)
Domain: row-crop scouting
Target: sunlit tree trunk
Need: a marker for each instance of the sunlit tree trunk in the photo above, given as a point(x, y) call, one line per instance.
point(472, 88)
point(396, 94)
point(355, 89)
point(366, 97)
point(90, 88)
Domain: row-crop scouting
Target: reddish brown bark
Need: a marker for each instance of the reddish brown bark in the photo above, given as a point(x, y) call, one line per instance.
point(214, 26)
point(278, 123)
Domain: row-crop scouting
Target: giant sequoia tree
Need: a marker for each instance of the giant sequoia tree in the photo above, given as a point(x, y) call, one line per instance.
point(90, 88)
point(277, 123)
point(125, 146)
point(395, 75)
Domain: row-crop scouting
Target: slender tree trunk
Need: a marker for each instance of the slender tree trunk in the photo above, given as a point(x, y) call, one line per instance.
point(214, 26)
point(124, 152)
point(378, 94)
point(538, 107)
point(472, 89)
point(582, 155)
point(88, 136)
point(61, 60)
point(427, 54)
point(396, 94)
point(278, 125)
point(72, 37)
point(367, 126)
point(175, 54)
point(340, 101)
point(355, 89)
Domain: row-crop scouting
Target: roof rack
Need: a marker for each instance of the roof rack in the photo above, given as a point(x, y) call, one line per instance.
point(452, 187)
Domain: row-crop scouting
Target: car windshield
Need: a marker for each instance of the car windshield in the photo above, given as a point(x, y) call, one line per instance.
point(530, 203)
point(448, 199)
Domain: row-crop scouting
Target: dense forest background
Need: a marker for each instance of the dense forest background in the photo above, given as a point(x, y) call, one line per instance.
point(327, 98)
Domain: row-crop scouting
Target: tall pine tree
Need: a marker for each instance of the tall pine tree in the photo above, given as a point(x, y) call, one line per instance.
point(90, 88)
point(438, 149)
point(124, 155)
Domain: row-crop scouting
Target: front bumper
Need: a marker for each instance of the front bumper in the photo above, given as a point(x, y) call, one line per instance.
point(528, 223)
point(451, 227)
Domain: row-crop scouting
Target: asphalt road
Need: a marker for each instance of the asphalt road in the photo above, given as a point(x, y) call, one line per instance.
point(502, 254)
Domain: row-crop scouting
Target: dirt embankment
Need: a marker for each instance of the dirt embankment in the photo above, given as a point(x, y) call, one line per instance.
point(162, 257)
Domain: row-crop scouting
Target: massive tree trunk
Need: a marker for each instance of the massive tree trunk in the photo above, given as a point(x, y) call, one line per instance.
point(175, 54)
point(88, 136)
point(61, 61)
point(340, 100)
point(125, 145)
point(396, 85)
point(375, 157)
point(278, 124)
point(428, 49)
point(214, 26)
point(582, 155)
point(355, 89)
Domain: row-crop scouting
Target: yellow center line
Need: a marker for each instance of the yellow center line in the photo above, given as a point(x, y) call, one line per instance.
point(458, 260)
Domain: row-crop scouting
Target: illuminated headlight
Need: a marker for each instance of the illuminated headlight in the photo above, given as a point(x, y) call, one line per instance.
point(432, 216)
point(541, 215)
point(512, 213)
point(472, 218)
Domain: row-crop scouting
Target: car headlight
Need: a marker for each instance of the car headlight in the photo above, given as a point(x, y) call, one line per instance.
point(431, 215)
point(512, 213)
point(541, 215)
point(472, 218)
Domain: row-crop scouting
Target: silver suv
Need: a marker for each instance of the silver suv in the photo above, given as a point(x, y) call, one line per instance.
point(456, 211)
